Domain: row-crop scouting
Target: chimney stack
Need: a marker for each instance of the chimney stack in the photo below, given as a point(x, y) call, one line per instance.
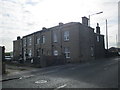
point(85, 21)
point(18, 38)
point(60, 24)
point(98, 29)
point(44, 28)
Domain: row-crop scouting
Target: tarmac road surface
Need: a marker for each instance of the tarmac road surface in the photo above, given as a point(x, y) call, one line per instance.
point(95, 74)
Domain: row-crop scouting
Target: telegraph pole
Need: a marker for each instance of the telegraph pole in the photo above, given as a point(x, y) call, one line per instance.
point(116, 40)
point(106, 35)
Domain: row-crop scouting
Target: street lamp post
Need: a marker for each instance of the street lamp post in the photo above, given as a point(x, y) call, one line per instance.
point(106, 35)
point(92, 15)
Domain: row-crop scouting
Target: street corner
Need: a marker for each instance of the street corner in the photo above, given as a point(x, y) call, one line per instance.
point(16, 69)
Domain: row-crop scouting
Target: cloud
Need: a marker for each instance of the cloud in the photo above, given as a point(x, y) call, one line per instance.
point(22, 17)
point(30, 2)
point(12, 1)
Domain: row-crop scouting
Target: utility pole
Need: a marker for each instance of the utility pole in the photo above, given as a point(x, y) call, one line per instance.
point(116, 40)
point(92, 15)
point(106, 35)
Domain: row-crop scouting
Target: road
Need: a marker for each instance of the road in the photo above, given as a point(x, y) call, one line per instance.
point(94, 74)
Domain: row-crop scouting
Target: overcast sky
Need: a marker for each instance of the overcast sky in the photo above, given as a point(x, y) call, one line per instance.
point(22, 17)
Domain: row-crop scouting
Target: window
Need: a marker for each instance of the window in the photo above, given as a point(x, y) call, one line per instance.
point(38, 40)
point(29, 40)
point(67, 52)
point(43, 39)
point(66, 36)
point(54, 37)
point(30, 53)
point(92, 51)
point(98, 39)
point(24, 55)
point(38, 52)
point(31, 60)
point(42, 51)
point(55, 53)
point(24, 42)
point(48, 53)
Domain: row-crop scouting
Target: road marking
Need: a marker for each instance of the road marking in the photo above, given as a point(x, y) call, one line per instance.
point(26, 76)
point(62, 86)
point(41, 81)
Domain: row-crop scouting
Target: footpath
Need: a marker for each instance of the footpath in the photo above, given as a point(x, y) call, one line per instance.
point(15, 71)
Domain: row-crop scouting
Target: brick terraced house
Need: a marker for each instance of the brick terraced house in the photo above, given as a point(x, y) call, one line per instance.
point(70, 42)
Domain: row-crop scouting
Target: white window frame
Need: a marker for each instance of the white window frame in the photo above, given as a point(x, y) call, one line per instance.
point(30, 53)
point(43, 39)
point(55, 37)
point(24, 55)
point(38, 40)
point(98, 39)
point(31, 61)
point(29, 41)
point(92, 51)
point(24, 42)
point(66, 36)
point(67, 52)
point(55, 52)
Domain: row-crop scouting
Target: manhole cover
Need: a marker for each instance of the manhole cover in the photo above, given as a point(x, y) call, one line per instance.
point(41, 81)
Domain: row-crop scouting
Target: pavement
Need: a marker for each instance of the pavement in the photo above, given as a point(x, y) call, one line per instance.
point(102, 73)
point(12, 70)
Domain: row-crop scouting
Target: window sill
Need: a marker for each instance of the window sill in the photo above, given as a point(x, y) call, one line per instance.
point(66, 40)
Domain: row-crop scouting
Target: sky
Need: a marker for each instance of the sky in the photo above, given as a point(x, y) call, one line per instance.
point(22, 17)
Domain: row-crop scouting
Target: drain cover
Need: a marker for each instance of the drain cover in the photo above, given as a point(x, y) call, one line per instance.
point(41, 81)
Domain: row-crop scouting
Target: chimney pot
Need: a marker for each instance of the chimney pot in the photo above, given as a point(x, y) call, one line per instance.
point(85, 21)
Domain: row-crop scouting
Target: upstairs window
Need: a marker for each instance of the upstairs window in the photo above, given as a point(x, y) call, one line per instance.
point(66, 36)
point(24, 42)
point(55, 37)
point(43, 39)
point(38, 40)
point(29, 41)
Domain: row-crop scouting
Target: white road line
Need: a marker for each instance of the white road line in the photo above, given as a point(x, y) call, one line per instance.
point(62, 86)
point(26, 76)
point(41, 81)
